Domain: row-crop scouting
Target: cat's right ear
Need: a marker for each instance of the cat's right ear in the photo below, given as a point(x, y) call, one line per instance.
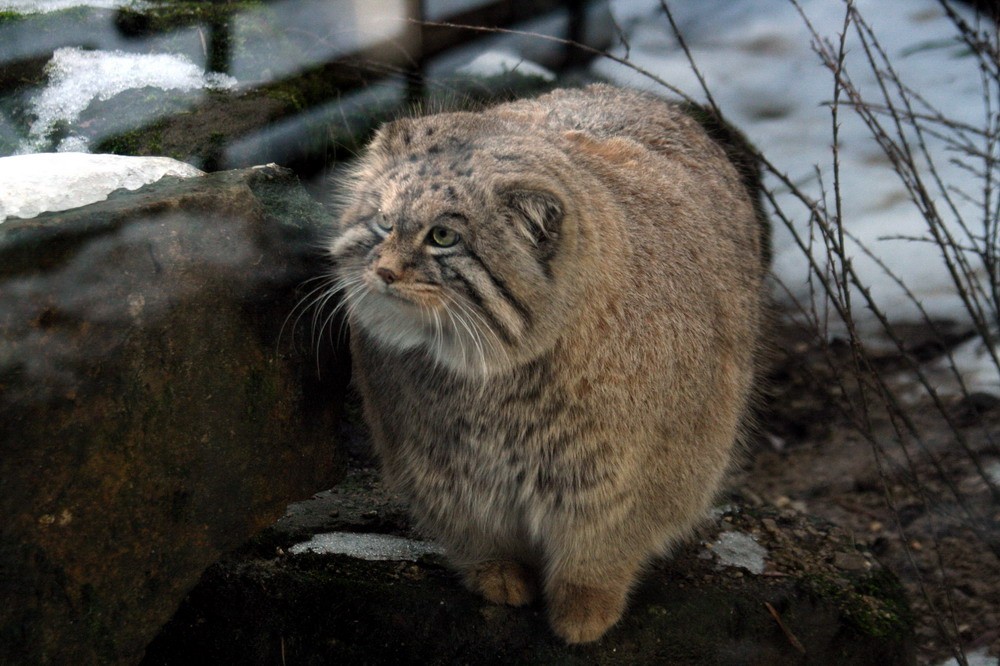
point(539, 214)
point(393, 137)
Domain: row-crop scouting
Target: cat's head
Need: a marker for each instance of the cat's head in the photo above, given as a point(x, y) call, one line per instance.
point(451, 239)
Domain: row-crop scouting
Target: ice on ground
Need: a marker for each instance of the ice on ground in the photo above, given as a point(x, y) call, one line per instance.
point(78, 77)
point(45, 6)
point(367, 546)
point(738, 549)
point(43, 182)
point(498, 63)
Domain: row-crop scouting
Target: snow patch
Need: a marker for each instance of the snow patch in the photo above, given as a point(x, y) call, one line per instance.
point(739, 549)
point(498, 63)
point(43, 182)
point(45, 6)
point(78, 77)
point(973, 362)
point(367, 546)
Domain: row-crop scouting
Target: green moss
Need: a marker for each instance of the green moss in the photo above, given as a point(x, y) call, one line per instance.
point(290, 97)
point(874, 604)
point(143, 141)
point(657, 611)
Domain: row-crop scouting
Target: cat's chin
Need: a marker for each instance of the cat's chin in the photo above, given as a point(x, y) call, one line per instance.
point(395, 324)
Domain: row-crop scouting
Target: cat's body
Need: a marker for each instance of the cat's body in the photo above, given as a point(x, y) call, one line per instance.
point(555, 309)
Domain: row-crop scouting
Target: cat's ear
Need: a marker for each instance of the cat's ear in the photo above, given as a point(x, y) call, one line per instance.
point(538, 213)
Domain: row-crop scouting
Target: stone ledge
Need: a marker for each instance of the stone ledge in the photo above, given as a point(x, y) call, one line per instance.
point(815, 600)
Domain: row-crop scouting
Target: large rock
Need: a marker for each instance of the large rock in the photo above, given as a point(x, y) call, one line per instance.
point(150, 417)
point(757, 586)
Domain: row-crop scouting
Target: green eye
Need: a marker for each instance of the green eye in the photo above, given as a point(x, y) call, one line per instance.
point(383, 222)
point(442, 237)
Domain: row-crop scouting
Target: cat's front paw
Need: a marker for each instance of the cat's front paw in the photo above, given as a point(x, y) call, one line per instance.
point(502, 582)
point(581, 613)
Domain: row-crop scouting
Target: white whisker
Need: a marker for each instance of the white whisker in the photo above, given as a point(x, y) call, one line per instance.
point(477, 327)
point(482, 326)
point(474, 337)
point(354, 292)
point(307, 302)
point(438, 334)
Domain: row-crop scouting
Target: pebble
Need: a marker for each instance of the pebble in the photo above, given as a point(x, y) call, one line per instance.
point(851, 562)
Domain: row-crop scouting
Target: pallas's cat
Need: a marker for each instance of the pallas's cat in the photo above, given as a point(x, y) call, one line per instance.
point(554, 307)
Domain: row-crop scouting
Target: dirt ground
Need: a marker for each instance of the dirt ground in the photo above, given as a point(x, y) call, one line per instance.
point(921, 507)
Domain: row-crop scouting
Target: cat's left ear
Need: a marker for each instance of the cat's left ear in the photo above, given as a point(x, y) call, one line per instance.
point(539, 214)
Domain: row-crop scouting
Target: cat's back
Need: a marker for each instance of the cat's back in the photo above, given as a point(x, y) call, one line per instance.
point(605, 112)
point(679, 237)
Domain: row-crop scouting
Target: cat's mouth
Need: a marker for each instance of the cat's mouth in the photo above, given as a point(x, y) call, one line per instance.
point(420, 294)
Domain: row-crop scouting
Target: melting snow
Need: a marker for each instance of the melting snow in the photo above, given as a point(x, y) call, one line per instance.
point(43, 6)
point(980, 657)
point(78, 77)
point(33, 184)
point(497, 63)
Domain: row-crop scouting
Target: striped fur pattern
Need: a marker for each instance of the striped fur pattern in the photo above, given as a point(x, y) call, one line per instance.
point(554, 308)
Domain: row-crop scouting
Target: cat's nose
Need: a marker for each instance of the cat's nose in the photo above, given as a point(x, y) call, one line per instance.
point(387, 274)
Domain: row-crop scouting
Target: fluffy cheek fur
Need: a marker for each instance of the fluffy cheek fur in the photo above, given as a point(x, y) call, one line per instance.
point(438, 323)
point(390, 319)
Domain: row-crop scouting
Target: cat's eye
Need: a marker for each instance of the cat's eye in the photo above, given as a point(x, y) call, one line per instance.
point(383, 222)
point(442, 237)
